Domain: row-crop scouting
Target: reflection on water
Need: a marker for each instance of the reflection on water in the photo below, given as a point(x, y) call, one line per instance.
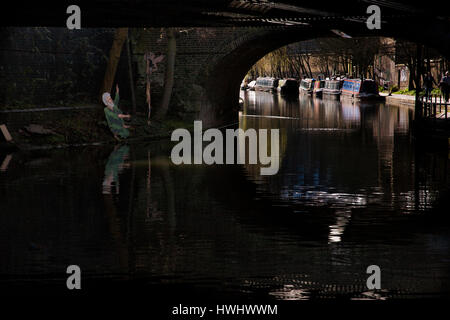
point(5, 163)
point(114, 166)
point(352, 190)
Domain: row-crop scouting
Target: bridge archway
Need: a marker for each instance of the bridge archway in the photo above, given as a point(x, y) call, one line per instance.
point(221, 76)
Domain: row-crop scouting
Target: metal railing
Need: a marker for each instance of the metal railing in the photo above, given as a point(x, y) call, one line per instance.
point(435, 107)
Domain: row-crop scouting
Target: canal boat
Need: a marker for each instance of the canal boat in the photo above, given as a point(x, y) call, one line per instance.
point(266, 84)
point(307, 86)
point(251, 85)
point(288, 86)
point(332, 89)
point(318, 88)
point(366, 89)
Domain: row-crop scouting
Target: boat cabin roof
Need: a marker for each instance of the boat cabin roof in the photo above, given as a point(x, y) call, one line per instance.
point(267, 81)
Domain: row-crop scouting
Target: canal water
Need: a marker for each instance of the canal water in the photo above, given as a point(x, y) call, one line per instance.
point(353, 190)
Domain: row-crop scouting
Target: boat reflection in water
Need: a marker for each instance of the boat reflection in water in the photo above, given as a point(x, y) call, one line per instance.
point(353, 166)
point(353, 190)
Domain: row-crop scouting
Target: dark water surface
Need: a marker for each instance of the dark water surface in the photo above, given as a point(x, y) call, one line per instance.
point(353, 190)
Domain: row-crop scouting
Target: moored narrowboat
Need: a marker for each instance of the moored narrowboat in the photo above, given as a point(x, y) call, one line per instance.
point(366, 89)
point(318, 88)
point(251, 85)
point(288, 86)
point(266, 84)
point(307, 86)
point(332, 89)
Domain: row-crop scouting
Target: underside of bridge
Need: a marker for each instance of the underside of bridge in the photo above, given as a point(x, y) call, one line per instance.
point(255, 28)
point(207, 13)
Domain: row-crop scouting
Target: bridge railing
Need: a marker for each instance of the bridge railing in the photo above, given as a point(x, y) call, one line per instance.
point(435, 107)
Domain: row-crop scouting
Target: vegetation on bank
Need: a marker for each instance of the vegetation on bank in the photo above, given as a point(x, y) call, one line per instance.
point(394, 90)
point(89, 126)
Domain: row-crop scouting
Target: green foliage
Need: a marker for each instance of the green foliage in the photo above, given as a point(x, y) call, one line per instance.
point(394, 88)
point(436, 92)
point(405, 92)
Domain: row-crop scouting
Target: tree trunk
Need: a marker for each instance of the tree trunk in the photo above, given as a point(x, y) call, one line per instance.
point(412, 73)
point(412, 77)
point(148, 73)
point(130, 73)
point(169, 74)
point(302, 65)
point(120, 36)
point(309, 66)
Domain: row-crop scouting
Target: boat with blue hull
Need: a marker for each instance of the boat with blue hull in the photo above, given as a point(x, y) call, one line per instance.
point(366, 89)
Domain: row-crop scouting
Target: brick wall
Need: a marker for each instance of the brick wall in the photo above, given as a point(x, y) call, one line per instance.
point(196, 51)
point(44, 67)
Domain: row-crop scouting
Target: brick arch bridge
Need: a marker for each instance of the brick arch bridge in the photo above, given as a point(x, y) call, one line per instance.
point(208, 72)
